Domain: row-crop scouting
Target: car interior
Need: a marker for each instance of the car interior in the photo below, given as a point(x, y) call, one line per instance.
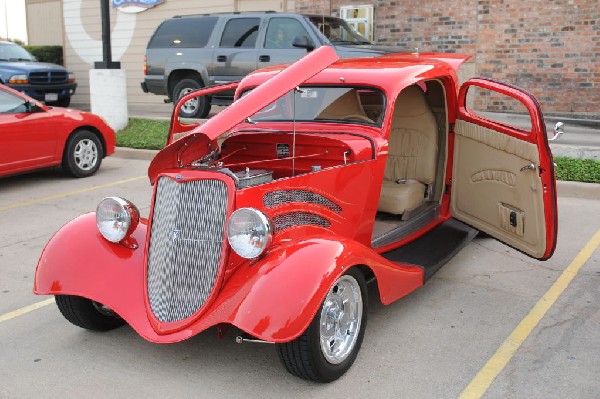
point(414, 173)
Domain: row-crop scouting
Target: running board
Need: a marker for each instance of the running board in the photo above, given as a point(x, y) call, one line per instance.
point(431, 251)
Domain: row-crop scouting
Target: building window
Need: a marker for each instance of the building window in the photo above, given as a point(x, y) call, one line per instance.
point(360, 18)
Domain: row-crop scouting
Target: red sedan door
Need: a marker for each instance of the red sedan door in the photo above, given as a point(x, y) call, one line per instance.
point(503, 180)
point(27, 135)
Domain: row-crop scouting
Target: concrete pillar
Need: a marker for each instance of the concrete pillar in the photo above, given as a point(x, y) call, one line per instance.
point(108, 96)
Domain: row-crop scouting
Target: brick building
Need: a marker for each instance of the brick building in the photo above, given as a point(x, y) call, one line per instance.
point(549, 47)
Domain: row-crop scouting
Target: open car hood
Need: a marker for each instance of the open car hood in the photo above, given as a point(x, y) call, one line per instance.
point(202, 140)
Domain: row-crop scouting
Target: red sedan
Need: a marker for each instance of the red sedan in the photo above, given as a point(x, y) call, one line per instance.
point(33, 136)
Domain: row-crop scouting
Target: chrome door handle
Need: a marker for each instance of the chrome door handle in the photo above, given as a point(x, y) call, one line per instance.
point(531, 166)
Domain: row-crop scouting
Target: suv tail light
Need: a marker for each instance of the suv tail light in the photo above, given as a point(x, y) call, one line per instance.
point(145, 66)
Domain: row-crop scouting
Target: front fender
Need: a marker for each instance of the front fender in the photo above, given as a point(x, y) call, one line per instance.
point(280, 296)
point(273, 299)
point(79, 261)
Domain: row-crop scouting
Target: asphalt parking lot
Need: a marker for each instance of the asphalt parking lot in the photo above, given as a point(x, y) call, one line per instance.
point(488, 302)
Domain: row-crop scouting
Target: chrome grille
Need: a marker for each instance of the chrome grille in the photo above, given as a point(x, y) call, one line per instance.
point(279, 197)
point(47, 77)
point(185, 246)
point(286, 220)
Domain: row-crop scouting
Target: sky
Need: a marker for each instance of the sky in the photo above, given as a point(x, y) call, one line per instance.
point(13, 12)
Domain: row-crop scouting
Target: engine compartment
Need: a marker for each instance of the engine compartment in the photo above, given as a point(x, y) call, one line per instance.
point(258, 157)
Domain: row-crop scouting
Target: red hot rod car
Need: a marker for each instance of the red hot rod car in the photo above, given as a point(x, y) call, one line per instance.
point(273, 215)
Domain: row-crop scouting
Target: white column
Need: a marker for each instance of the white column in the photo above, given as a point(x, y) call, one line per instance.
point(108, 96)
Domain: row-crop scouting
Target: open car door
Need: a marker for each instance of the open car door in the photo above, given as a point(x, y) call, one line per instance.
point(503, 180)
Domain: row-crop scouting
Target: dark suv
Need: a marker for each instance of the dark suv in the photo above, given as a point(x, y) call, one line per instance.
point(45, 82)
point(186, 53)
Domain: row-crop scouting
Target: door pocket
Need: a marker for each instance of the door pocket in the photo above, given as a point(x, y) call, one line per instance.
point(511, 219)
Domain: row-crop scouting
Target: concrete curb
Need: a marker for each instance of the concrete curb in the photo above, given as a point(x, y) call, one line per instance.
point(134, 153)
point(575, 151)
point(565, 188)
point(576, 189)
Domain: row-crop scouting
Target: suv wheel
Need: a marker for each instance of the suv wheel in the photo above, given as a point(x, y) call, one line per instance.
point(196, 108)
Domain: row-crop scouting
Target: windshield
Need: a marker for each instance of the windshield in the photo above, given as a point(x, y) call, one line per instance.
point(337, 31)
point(326, 104)
point(12, 52)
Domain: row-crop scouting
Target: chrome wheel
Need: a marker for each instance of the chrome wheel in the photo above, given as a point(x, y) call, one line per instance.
point(86, 154)
point(340, 320)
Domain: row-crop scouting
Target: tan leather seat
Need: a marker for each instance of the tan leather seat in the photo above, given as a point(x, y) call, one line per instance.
point(412, 153)
point(345, 107)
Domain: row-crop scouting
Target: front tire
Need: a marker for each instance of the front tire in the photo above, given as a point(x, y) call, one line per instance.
point(195, 108)
point(83, 154)
point(330, 344)
point(87, 314)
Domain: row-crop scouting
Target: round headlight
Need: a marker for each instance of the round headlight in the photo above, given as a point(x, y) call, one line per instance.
point(249, 232)
point(116, 218)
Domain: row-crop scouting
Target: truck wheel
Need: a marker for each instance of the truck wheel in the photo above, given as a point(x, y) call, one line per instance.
point(83, 154)
point(195, 108)
point(87, 314)
point(328, 347)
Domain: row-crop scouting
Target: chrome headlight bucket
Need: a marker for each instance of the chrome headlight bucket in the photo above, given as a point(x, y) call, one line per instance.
point(249, 232)
point(116, 218)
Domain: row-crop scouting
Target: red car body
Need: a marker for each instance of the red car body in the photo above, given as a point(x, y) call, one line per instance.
point(325, 223)
point(35, 136)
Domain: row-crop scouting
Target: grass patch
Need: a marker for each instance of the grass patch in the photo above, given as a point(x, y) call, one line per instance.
point(144, 133)
point(152, 135)
point(582, 170)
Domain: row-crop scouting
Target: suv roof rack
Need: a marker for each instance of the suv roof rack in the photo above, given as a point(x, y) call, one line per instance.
point(227, 13)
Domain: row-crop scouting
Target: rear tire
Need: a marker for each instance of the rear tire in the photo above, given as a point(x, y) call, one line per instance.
point(83, 154)
point(87, 314)
point(330, 344)
point(195, 108)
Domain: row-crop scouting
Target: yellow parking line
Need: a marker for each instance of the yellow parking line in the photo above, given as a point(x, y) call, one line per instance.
point(484, 378)
point(25, 310)
point(83, 190)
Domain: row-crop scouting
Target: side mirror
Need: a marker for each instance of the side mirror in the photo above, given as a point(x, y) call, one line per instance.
point(558, 131)
point(303, 42)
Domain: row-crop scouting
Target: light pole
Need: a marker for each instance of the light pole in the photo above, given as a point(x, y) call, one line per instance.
point(6, 18)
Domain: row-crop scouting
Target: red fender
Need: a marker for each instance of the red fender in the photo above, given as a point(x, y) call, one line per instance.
point(273, 299)
point(279, 297)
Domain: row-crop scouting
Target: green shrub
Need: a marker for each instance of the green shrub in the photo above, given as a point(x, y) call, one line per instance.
point(582, 170)
point(51, 54)
point(144, 133)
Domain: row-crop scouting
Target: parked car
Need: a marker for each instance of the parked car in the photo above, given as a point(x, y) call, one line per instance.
point(186, 53)
point(33, 136)
point(274, 214)
point(45, 82)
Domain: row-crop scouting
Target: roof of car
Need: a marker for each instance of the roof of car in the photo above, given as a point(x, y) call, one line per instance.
point(243, 13)
point(391, 72)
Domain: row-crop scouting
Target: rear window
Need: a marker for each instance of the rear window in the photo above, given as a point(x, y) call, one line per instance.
point(183, 32)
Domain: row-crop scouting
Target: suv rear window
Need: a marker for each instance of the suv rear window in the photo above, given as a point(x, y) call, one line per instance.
point(183, 32)
point(240, 32)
